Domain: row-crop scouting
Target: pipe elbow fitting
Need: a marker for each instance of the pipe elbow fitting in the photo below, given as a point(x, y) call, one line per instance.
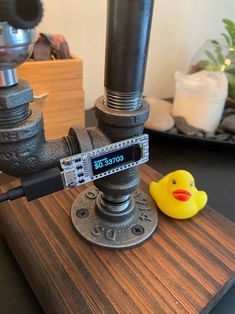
point(24, 149)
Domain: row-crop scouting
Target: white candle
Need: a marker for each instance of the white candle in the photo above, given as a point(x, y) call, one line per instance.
point(200, 98)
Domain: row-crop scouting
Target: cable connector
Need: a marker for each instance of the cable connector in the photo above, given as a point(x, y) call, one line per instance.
point(36, 186)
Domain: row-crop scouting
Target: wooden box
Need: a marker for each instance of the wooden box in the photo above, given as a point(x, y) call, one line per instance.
point(58, 93)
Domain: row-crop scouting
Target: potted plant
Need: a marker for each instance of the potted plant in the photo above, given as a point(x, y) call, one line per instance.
point(220, 57)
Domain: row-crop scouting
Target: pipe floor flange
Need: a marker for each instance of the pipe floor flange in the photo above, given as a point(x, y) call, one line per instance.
point(101, 232)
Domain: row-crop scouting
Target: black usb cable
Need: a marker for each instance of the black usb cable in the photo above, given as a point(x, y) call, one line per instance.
point(36, 186)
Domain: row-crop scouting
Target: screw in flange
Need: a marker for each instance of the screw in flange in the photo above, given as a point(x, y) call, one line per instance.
point(137, 230)
point(82, 213)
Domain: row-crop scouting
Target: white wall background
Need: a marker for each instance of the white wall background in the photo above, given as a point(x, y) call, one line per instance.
point(179, 29)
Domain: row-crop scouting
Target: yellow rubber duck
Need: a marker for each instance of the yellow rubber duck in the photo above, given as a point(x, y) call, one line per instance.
point(177, 196)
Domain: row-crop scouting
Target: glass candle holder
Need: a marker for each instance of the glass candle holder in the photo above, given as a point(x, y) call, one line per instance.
point(200, 98)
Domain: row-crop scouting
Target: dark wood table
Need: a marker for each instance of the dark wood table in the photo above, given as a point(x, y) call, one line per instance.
point(213, 168)
point(214, 171)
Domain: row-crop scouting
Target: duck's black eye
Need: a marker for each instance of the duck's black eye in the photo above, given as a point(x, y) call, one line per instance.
point(191, 183)
point(174, 181)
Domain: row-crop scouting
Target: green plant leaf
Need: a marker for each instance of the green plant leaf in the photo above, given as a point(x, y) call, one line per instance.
point(227, 39)
point(230, 27)
point(231, 79)
point(229, 23)
point(210, 56)
point(230, 69)
point(219, 56)
point(231, 91)
point(229, 31)
point(214, 67)
point(215, 42)
point(203, 64)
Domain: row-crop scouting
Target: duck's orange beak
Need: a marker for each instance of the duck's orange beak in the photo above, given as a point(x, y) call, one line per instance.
point(182, 195)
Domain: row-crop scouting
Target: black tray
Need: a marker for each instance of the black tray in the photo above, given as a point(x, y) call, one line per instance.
point(189, 139)
point(193, 139)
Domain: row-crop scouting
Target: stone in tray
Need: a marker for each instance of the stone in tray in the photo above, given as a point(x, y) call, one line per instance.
point(224, 133)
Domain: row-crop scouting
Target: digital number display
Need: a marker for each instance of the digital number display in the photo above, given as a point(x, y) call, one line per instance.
point(115, 159)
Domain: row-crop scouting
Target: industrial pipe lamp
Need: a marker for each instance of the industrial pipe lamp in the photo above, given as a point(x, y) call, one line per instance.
point(113, 213)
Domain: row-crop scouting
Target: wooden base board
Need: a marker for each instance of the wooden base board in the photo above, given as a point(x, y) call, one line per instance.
point(186, 267)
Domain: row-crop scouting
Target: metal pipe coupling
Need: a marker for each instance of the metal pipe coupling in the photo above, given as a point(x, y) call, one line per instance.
point(119, 125)
point(114, 214)
point(24, 149)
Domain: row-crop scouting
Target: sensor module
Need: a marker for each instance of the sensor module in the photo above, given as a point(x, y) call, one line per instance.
point(101, 162)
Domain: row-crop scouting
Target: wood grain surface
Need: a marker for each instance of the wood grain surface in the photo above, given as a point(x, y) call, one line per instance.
point(61, 111)
point(53, 76)
point(186, 267)
point(58, 85)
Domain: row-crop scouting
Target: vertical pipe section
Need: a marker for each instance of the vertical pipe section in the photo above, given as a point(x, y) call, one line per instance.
point(127, 40)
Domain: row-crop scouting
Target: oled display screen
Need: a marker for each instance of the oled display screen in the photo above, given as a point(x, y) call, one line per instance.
point(116, 159)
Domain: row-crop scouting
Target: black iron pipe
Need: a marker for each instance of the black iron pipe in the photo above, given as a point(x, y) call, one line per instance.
point(21, 14)
point(127, 40)
point(128, 31)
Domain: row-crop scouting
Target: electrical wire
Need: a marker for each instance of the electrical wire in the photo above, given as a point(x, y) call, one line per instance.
point(4, 197)
point(36, 186)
